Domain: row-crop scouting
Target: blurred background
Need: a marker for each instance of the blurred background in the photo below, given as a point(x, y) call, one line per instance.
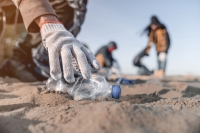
point(123, 22)
point(12, 35)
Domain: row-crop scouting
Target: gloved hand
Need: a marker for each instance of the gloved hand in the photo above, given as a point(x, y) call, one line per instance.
point(59, 42)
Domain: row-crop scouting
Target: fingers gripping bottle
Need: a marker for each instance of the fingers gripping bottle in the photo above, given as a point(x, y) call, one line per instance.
point(82, 89)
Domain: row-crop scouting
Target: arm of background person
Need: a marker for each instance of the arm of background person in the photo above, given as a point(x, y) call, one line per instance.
point(150, 43)
point(107, 59)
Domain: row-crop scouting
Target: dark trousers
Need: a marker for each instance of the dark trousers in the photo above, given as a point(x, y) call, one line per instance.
point(137, 62)
point(143, 69)
point(162, 64)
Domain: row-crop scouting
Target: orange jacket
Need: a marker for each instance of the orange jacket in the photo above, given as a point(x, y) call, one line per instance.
point(161, 38)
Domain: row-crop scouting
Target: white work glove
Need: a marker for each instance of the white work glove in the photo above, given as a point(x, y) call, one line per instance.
point(59, 42)
point(162, 56)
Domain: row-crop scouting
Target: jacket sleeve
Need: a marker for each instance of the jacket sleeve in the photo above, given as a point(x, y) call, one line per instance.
point(162, 44)
point(149, 43)
point(31, 9)
point(108, 60)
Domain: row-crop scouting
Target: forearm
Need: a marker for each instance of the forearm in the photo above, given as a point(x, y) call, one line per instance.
point(34, 10)
point(150, 42)
point(108, 62)
point(148, 47)
point(45, 18)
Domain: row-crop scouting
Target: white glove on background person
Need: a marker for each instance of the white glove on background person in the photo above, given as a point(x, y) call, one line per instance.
point(61, 43)
point(162, 56)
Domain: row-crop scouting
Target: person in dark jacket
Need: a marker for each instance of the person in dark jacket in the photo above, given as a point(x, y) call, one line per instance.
point(35, 58)
point(104, 55)
point(158, 35)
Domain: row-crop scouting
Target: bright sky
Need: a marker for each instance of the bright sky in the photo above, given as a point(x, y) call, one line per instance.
point(123, 23)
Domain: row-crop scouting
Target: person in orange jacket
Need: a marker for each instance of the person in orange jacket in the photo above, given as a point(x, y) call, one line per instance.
point(158, 35)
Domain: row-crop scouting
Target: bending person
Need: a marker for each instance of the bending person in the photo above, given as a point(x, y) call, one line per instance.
point(57, 52)
point(104, 55)
point(158, 35)
point(106, 60)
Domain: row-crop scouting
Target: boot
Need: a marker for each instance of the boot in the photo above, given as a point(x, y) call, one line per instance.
point(20, 66)
point(15, 69)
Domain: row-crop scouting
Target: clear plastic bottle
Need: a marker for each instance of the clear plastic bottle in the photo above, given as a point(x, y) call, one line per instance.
point(82, 89)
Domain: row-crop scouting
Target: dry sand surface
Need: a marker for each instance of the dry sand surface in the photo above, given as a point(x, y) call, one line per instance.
point(168, 105)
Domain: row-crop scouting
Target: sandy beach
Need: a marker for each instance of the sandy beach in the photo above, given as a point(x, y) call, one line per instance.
point(171, 104)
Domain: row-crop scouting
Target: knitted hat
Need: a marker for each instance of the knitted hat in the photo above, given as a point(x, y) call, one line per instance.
point(112, 44)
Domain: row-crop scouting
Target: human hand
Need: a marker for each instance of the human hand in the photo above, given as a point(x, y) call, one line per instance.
point(61, 43)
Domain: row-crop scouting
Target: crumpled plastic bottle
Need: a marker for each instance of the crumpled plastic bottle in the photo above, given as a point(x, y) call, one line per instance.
point(82, 89)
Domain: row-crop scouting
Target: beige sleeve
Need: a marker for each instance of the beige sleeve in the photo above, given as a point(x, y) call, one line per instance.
point(17, 2)
point(32, 9)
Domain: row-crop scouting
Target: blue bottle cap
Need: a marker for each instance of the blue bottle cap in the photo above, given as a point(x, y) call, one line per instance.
point(116, 91)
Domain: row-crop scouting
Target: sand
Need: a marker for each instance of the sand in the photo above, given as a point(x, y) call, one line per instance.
point(171, 104)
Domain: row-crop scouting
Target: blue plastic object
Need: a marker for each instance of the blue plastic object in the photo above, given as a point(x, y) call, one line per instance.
point(116, 91)
point(126, 81)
